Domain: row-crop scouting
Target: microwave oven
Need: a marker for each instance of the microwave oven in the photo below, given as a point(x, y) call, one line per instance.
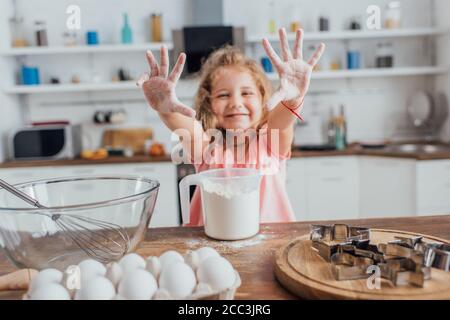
point(45, 142)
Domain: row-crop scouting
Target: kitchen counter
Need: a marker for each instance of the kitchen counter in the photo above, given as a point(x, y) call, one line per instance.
point(253, 258)
point(167, 158)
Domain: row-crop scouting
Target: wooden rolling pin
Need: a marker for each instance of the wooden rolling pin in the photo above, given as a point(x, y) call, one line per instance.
point(17, 280)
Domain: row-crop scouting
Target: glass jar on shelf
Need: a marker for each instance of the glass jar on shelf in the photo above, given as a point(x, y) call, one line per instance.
point(41, 33)
point(393, 15)
point(384, 55)
point(17, 32)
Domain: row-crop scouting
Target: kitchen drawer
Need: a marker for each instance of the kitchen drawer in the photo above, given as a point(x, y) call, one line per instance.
point(19, 175)
point(333, 197)
point(387, 187)
point(331, 165)
point(296, 187)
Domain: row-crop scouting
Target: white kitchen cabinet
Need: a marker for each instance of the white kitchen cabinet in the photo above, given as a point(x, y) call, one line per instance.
point(433, 187)
point(296, 187)
point(20, 175)
point(332, 188)
point(387, 187)
point(166, 210)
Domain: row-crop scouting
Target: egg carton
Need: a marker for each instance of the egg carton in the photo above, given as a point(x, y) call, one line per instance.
point(164, 276)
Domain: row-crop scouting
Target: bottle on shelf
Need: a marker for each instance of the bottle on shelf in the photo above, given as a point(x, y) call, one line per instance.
point(127, 33)
point(41, 33)
point(18, 32)
point(156, 26)
point(344, 124)
point(339, 133)
point(331, 130)
point(393, 15)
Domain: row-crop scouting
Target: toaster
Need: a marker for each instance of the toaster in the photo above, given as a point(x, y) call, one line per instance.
point(45, 142)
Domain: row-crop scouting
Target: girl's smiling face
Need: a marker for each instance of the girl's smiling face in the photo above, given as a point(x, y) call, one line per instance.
point(235, 99)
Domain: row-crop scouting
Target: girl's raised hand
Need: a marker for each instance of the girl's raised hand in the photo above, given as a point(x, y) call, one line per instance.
point(294, 72)
point(159, 85)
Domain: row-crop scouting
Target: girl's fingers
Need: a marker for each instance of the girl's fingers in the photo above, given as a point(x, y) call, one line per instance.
point(285, 51)
point(274, 58)
point(275, 99)
point(298, 47)
point(142, 79)
point(316, 56)
point(164, 69)
point(152, 63)
point(180, 108)
point(178, 69)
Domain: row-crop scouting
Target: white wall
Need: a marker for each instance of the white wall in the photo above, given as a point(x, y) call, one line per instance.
point(10, 106)
point(443, 82)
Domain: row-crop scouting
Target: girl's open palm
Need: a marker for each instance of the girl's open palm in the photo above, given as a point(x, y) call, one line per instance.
point(159, 86)
point(294, 72)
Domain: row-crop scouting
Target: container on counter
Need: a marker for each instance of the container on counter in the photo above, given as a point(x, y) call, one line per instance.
point(156, 27)
point(393, 15)
point(41, 33)
point(384, 56)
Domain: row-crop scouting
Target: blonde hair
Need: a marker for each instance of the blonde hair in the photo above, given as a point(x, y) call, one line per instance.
point(227, 56)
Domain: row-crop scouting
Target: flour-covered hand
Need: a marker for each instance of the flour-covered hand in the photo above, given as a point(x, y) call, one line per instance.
point(294, 72)
point(159, 87)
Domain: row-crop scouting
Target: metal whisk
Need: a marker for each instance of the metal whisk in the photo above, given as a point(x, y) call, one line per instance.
point(104, 242)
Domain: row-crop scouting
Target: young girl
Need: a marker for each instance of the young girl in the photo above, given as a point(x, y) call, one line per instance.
point(235, 95)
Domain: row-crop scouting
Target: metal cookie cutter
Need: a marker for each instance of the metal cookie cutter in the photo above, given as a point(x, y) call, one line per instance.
point(402, 271)
point(346, 266)
point(327, 239)
point(436, 255)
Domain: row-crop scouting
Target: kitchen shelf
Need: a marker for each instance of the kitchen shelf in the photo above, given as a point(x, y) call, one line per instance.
point(356, 34)
point(188, 86)
point(373, 73)
point(104, 48)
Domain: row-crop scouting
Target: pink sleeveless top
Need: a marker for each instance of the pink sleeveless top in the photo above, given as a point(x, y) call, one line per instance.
point(274, 201)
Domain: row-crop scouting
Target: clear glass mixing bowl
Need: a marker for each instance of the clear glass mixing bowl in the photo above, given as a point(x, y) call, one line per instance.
point(32, 239)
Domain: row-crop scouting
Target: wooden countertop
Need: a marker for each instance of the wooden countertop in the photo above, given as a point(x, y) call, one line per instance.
point(253, 258)
point(167, 158)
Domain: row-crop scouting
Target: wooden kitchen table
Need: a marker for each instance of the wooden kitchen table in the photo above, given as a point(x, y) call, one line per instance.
point(253, 258)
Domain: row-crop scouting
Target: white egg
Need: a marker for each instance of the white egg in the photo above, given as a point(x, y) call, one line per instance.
point(195, 258)
point(50, 291)
point(97, 288)
point(178, 278)
point(203, 288)
point(45, 277)
point(90, 268)
point(162, 294)
point(114, 273)
point(191, 258)
point(206, 252)
point(169, 257)
point(132, 261)
point(153, 265)
point(217, 272)
point(137, 284)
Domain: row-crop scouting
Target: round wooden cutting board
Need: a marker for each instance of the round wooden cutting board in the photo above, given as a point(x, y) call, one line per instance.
point(302, 271)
